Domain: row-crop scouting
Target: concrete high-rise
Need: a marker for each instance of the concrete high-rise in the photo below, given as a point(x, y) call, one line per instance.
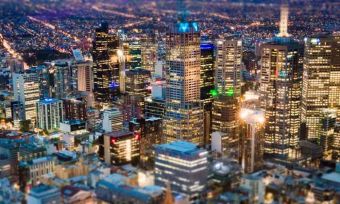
point(50, 113)
point(26, 91)
point(112, 120)
point(84, 76)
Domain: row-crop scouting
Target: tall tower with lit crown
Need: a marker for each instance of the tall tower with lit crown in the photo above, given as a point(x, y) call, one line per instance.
point(184, 111)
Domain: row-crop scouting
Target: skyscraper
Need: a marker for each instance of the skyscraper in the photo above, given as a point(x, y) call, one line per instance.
point(207, 83)
point(225, 120)
point(184, 111)
point(49, 113)
point(135, 52)
point(26, 91)
point(280, 93)
point(228, 65)
point(84, 76)
point(137, 82)
point(62, 79)
point(105, 65)
point(74, 109)
point(321, 88)
point(148, 53)
point(207, 70)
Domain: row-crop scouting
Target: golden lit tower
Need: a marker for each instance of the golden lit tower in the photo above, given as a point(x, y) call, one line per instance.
point(184, 112)
point(321, 76)
point(228, 65)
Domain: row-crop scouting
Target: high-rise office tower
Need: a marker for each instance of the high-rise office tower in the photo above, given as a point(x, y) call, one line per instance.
point(280, 94)
point(334, 76)
point(50, 113)
point(184, 111)
point(207, 84)
point(137, 83)
point(148, 53)
point(321, 76)
point(184, 166)
point(46, 80)
point(84, 76)
point(207, 70)
point(228, 64)
point(26, 91)
point(62, 79)
point(135, 51)
point(280, 90)
point(225, 122)
point(105, 65)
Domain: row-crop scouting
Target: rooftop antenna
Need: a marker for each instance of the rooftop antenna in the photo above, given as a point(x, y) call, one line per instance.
point(181, 11)
point(283, 20)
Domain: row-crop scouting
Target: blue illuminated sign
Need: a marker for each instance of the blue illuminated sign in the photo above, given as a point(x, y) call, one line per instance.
point(113, 85)
point(195, 26)
point(183, 27)
point(207, 46)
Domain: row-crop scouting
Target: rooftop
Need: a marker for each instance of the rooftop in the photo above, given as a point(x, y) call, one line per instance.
point(49, 100)
point(121, 133)
point(42, 189)
point(181, 147)
point(74, 122)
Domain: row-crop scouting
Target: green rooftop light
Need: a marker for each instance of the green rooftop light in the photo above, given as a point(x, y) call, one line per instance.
point(230, 92)
point(213, 92)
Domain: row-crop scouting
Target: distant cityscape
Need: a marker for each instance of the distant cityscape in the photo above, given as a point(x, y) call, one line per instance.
point(169, 102)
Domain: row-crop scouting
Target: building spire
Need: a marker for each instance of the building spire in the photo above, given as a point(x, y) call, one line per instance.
point(284, 21)
point(181, 11)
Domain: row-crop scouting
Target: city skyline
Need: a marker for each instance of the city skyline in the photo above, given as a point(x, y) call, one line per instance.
point(173, 102)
